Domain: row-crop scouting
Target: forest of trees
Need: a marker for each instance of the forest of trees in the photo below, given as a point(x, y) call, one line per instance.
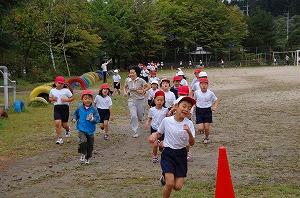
point(42, 38)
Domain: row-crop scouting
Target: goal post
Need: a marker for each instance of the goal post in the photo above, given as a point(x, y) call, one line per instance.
point(298, 57)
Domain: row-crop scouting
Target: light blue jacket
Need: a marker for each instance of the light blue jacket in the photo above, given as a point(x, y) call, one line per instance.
point(83, 125)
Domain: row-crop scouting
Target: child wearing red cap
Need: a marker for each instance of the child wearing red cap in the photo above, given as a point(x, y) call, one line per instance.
point(178, 131)
point(155, 116)
point(206, 102)
point(195, 79)
point(103, 103)
point(86, 117)
point(61, 97)
point(176, 85)
point(151, 93)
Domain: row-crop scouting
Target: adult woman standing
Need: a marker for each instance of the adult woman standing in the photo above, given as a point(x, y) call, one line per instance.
point(135, 88)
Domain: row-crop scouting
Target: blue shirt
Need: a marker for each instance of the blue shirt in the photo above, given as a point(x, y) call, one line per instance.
point(84, 125)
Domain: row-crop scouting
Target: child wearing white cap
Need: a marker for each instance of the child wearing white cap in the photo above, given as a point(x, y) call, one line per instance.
point(117, 81)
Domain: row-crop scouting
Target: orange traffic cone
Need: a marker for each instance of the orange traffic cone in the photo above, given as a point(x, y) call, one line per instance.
point(224, 187)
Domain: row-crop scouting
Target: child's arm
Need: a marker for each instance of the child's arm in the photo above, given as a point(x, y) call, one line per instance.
point(96, 116)
point(110, 113)
point(125, 90)
point(154, 137)
point(75, 115)
point(215, 105)
point(191, 138)
point(147, 123)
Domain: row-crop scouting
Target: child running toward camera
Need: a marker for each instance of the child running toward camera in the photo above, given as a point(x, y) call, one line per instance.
point(117, 81)
point(179, 131)
point(206, 103)
point(151, 93)
point(86, 117)
point(104, 103)
point(155, 116)
point(61, 97)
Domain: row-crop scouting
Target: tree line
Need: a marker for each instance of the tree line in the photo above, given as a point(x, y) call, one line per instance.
point(42, 38)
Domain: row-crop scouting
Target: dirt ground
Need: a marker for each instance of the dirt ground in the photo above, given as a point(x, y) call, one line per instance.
point(258, 121)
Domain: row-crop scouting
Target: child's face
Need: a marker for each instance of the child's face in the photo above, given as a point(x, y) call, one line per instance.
point(165, 85)
point(203, 87)
point(59, 85)
point(105, 92)
point(87, 100)
point(176, 83)
point(132, 74)
point(154, 86)
point(159, 101)
point(183, 109)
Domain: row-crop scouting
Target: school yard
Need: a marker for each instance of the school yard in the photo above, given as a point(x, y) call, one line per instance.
point(258, 121)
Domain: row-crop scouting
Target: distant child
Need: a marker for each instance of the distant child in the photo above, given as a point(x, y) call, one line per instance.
point(196, 85)
point(169, 96)
point(206, 102)
point(151, 93)
point(176, 85)
point(195, 79)
point(104, 103)
point(61, 97)
point(86, 117)
point(183, 81)
point(178, 131)
point(117, 79)
point(155, 116)
point(153, 77)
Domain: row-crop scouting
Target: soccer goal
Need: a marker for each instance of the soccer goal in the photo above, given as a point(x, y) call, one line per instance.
point(286, 58)
point(298, 57)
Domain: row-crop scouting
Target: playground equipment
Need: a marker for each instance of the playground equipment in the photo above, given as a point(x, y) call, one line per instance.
point(6, 86)
point(41, 93)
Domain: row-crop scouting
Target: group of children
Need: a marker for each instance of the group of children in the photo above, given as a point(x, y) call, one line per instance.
point(87, 115)
point(169, 117)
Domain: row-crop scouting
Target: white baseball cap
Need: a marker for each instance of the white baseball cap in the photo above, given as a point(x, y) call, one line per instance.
point(116, 71)
point(154, 82)
point(202, 74)
point(187, 98)
point(180, 73)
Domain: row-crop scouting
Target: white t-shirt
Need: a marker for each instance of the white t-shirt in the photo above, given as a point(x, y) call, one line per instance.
point(104, 66)
point(59, 94)
point(170, 98)
point(145, 73)
point(204, 100)
point(103, 103)
point(153, 78)
point(151, 93)
point(157, 116)
point(175, 136)
point(183, 82)
point(116, 78)
point(193, 82)
point(196, 86)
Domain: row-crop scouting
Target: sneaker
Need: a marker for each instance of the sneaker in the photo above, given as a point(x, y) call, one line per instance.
point(155, 159)
point(105, 137)
point(82, 158)
point(135, 135)
point(59, 141)
point(68, 133)
point(162, 180)
point(87, 161)
point(206, 141)
point(189, 158)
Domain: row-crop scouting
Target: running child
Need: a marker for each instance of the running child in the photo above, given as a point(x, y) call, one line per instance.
point(176, 85)
point(169, 96)
point(151, 93)
point(183, 81)
point(179, 131)
point(117, 81)
point(206, 102)
point(86, 117)
point(104, 103)
point(155, 116)
point(153, 77)
point(61, 97)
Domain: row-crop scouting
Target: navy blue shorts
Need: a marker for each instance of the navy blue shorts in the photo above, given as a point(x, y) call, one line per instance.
point(117, 85)
point(203, 115)
point(61, 112)
point(162, 135)
point(104, 114)
point(174, 161)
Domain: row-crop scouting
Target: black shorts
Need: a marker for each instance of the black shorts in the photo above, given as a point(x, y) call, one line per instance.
point(161, 137)
point(104, 114)
point(203, 115)
point(61, 112)
point(117, 85)
point(174, 161)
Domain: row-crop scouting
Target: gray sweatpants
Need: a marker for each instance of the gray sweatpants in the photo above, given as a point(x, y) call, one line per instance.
point(136, 108)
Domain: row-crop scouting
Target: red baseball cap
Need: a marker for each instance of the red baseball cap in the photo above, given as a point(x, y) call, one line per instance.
point(60, 79)
point(104, 86)
point(87, 92)
point(196, 71)
point(203, 80)
point(159, 93)
point(183, 90)
point(177, 78)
